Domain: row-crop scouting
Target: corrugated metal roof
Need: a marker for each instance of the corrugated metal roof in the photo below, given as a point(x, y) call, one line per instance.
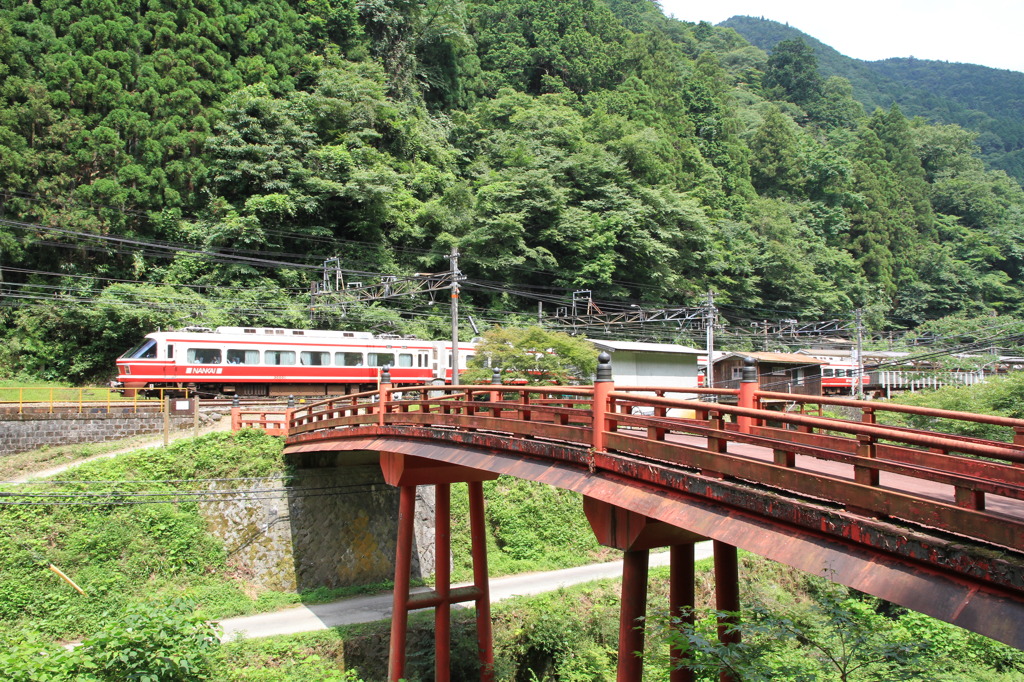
point(644, 347)
point(836, 353)
point(792, 358)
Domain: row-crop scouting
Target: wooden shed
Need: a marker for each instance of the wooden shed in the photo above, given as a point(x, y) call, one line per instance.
point(781, 372)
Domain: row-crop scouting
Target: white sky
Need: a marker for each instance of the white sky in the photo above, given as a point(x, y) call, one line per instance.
point(987, 32)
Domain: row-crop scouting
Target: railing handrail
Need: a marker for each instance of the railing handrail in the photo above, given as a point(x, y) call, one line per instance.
point(991, 419)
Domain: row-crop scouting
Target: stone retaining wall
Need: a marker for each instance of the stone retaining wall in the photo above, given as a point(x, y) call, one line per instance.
point(324, 526)
point(24, 432)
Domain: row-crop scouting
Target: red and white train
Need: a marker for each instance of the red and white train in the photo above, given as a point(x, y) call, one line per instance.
point(262, 361)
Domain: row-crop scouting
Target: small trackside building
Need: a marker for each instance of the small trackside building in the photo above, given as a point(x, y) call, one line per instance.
point(778, 372)
point(651, 364)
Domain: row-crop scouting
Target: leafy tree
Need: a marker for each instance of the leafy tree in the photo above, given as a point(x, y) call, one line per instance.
point(792, 73)
point(774, 157)
point(533, 355)
point(834, 637)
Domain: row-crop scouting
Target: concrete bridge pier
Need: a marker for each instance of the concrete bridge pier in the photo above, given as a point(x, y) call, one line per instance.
point(406, 472)
point(636, 534)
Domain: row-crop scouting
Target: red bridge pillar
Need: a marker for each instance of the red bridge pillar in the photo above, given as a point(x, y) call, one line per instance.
point(636, 535)
point(727, 596)
point(407, 472)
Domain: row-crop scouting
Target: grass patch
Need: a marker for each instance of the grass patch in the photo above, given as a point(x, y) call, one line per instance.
point(24, 464)
point(121, 554)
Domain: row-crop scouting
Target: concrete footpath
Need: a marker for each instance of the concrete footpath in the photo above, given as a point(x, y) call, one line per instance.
point(370, 608)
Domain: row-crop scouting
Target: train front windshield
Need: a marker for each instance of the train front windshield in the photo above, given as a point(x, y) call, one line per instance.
point(146, 349)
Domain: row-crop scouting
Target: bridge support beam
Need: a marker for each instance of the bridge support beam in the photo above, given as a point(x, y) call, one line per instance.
point(681, 601)
point(407, 472)
point(403, 568)
point(727, 596)
point(632, 609)
point(636, 535)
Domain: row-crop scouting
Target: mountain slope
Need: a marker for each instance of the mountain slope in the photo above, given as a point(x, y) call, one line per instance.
point(985, 100)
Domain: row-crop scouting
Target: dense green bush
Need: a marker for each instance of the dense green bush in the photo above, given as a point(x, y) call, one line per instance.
point(115, 546)
point(1001, 396)
point(151, 643)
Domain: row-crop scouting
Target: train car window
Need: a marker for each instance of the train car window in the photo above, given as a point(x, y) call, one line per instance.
point(348, 359)
point(238, 356)
point(423, 360)
point(314, 358)
point(405, 359)
point(381, 359)
point(279, 357)
point(146, 349)
point(828, 372)
point(203, 356)
point(170, 351)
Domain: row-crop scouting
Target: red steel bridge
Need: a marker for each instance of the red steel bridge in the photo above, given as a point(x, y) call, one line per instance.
point(927, 520)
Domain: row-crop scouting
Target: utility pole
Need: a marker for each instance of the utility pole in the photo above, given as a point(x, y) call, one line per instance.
point(711, 317)
point(859, 356)
point(454, 257)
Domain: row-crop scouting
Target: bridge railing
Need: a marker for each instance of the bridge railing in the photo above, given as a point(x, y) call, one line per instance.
point(962, 485)
point(562, 412)
point(869, 409)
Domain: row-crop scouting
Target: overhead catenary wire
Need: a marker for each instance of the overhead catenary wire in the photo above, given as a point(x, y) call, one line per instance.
point(626, 329)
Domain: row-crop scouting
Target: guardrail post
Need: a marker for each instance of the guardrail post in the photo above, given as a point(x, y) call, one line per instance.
point(603, 385)
point(867, 414)
point(970, 499)
point(1018, 435)
point(383, 394)
point(748, 397)
point(496, 395)
point(783, 458)
point(717, 422)
point(656, 432)
point(865, 448)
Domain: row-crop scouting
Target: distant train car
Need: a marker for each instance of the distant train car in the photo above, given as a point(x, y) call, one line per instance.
point(260, 361)
point(839, 373)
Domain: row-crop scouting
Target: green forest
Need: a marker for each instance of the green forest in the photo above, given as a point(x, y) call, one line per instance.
point(987, 101)
point(166, 163)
